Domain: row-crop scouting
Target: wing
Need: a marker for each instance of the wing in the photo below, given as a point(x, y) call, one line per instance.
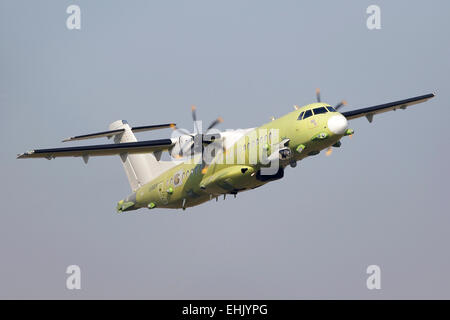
point(371, 111)
point(100, 150)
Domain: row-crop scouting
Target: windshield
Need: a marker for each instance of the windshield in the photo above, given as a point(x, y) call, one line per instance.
point(308, 113)
point(320, 110)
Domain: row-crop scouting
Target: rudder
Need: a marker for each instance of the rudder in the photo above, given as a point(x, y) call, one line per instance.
point(140, 168)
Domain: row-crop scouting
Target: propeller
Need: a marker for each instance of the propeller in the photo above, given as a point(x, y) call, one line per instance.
point(337, 107)
point(212, 125)
point(197, 138)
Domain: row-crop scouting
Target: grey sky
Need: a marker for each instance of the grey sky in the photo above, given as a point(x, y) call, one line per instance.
point(382, 198)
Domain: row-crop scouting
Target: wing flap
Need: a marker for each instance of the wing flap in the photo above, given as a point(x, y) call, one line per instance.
point(100, 150)
point(371, 111)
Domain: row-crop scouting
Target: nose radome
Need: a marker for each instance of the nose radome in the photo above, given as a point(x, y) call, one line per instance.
point(338, 124)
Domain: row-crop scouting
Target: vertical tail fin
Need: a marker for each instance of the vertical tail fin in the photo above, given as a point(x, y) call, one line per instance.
point(140, 168)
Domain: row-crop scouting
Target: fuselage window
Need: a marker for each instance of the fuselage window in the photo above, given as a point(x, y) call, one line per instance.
point(176, 179)
point(301, 115)
point(320, 110)
point(308, 114)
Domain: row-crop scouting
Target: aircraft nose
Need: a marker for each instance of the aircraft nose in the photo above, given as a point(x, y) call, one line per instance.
point(338, 124)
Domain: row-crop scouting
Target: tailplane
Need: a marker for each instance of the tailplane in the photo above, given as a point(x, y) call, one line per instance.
point(141, 160)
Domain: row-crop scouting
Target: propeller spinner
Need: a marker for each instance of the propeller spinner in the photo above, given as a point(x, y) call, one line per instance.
point(336, 107)
point(193, 142)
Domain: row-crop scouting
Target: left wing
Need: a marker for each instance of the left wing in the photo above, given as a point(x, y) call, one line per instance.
point(101, 150)
point(371, 111)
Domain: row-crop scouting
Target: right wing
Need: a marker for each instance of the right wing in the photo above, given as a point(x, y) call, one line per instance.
point(371, 111)
point(101, 150)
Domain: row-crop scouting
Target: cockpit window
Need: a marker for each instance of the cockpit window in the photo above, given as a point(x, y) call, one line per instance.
point(301, 115)
point(331, 109)
point(320, 110)
point(308, 114)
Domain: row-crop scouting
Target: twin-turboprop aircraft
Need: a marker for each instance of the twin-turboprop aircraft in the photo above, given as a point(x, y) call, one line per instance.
point(206, 166)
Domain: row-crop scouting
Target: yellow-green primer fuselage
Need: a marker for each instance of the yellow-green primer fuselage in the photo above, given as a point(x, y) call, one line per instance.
point(191, 183)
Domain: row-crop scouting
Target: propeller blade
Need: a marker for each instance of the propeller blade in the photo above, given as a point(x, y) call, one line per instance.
point(329, 151)
point(214, 123)
point(340, 104)
point(318, 94)
point(194, 117)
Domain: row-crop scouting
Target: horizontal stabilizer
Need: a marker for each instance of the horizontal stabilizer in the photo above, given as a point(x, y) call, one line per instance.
point(100, 150)
point(107, 134)
point(153, 127)
point(111, 133)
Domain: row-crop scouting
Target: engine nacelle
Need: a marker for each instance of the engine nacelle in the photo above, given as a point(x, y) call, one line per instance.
point(182, 146)
point(187, 145)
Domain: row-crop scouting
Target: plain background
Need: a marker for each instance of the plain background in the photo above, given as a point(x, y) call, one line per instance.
point(382, 198)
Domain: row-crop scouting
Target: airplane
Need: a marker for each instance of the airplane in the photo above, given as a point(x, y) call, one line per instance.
point(235, 161)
